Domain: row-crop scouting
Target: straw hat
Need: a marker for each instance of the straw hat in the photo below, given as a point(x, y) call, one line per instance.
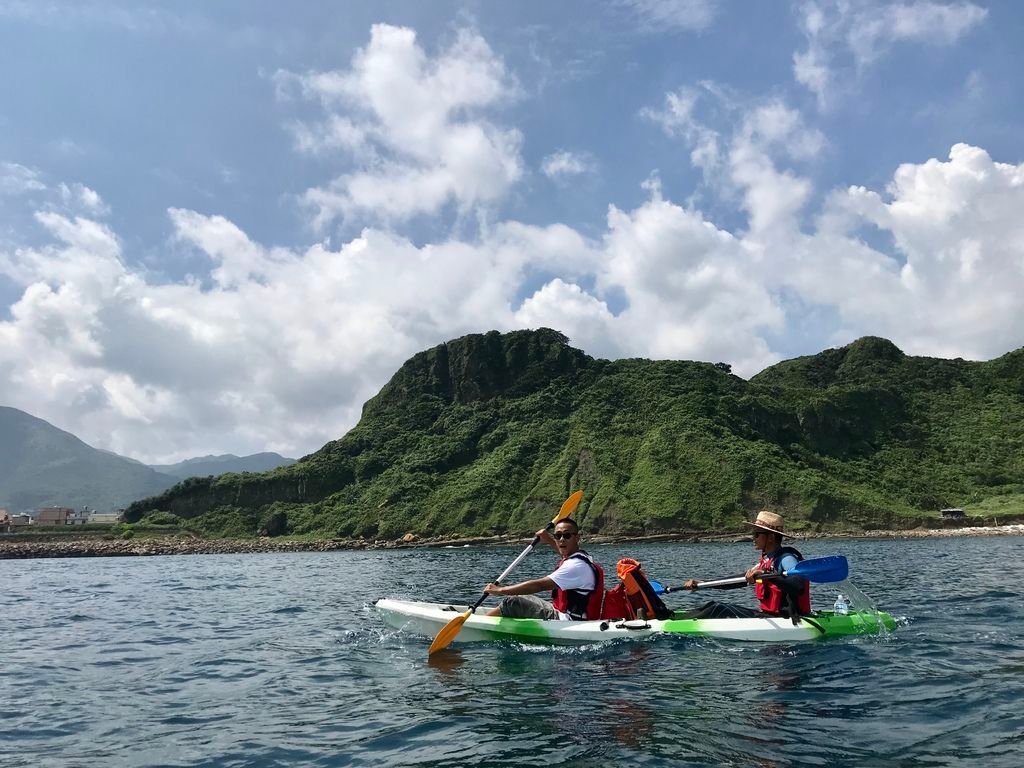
point(769, 521)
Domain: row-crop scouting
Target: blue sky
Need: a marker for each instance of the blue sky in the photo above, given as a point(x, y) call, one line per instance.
point(224, 225)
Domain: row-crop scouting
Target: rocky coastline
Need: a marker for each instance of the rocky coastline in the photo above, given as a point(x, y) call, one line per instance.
point(18, 546)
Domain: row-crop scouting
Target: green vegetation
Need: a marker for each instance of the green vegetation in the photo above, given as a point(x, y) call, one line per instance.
point(489, 433)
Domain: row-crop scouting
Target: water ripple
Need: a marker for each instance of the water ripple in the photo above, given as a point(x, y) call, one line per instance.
point(279, 659)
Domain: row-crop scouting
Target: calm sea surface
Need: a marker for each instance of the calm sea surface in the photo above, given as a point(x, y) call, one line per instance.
point(277, 659)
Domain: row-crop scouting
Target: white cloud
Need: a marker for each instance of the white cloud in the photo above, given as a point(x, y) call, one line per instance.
point(413, 126)
point(678, 117)
point(130, 17)
point(740, 159)
point(279, 351)
point(956, 224)
point(773, 198)
point(80, 197)
point(683, 15)
point(870, 34)
point(281, 347)
point(563, 164)
point(865, 31)
point(690, 290)
point(277, 348)
point(948, 286)
point(18, 179)
point(581, 316)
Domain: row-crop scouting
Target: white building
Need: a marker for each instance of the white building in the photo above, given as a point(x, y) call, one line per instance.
point(81, 517)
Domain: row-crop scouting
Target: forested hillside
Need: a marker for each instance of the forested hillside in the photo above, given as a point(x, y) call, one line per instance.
point(489, 433)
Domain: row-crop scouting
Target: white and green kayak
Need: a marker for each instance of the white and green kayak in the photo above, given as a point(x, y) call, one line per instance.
point(427, 619)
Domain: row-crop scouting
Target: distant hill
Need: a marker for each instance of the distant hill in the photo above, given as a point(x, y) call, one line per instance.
point(41, 466)
point(218, 465)
point(488, 433)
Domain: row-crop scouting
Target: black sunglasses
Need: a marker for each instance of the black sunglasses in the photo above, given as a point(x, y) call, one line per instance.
point(564, 534)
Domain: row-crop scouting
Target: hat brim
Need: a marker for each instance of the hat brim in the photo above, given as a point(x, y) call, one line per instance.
point(760, 527)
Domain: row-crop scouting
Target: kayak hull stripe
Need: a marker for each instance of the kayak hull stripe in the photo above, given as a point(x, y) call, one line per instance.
point(427, 619)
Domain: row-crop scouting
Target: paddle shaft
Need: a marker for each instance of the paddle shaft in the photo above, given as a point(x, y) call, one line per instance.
point(820, 569)
point(732, 581)
point(722, 583)
point(511, 567)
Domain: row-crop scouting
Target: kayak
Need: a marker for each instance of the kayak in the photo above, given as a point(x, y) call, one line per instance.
point(427, 619)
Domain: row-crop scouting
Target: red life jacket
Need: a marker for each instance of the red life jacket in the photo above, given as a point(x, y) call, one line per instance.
point(578, 603)
point(771, 595)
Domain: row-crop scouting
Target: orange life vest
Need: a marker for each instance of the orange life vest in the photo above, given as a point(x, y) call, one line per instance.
point(632, 593)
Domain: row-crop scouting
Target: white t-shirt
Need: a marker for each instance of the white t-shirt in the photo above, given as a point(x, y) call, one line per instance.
point(573, 573)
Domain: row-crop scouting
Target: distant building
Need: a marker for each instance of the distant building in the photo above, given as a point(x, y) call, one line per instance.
point(953, 513)
point(52, 516)
point(10, 523)
point(105, 518)
point(81, 517)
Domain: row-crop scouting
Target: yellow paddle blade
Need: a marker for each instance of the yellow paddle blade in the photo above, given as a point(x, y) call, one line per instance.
point(448, 633)
point(568, 506)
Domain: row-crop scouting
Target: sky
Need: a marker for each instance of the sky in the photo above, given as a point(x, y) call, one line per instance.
point(224, 226)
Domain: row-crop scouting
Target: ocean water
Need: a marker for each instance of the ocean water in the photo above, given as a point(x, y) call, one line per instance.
point(278, 659)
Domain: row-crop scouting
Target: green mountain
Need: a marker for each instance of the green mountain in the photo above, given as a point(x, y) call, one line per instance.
point(227, 462)
point(42, 466)
point(489, 433)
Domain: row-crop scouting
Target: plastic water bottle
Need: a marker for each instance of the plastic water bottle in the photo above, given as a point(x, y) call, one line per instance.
point(841, 607)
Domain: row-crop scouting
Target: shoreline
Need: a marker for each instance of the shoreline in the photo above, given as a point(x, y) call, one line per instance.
point(13, 549)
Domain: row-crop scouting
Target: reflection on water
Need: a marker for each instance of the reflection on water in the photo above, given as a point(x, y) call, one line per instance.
point(447, 660)
point(268, 660)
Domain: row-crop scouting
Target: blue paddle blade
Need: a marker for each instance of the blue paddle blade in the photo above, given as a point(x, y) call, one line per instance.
point(659, 588)
point(822, 569)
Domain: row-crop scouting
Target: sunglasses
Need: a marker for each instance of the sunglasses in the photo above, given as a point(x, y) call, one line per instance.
point(564, 535)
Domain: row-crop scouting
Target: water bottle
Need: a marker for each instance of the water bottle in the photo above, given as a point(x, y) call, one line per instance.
point(841, 607)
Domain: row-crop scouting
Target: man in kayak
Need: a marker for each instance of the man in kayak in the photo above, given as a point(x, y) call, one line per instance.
point(576, 585)
point(778, 595)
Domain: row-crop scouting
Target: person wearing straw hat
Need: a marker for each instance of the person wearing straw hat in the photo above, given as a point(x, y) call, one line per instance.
point(778, 595)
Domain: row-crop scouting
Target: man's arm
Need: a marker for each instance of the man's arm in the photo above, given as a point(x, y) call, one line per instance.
point(531, 587)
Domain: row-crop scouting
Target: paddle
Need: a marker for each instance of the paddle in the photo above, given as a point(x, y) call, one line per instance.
point(451, 629)
point(819, 569)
